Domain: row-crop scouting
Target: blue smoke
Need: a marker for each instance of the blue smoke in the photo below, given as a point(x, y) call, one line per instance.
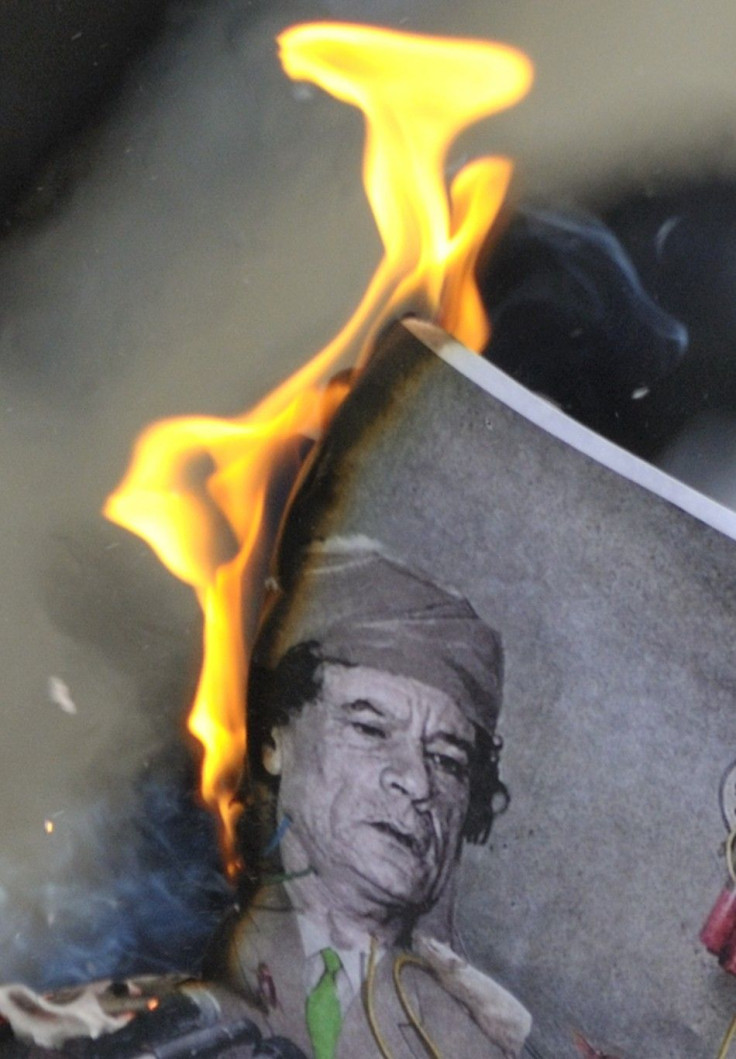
point(122, 896)
point(571, 319)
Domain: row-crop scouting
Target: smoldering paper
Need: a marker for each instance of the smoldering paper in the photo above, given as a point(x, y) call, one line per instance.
point(617, 611)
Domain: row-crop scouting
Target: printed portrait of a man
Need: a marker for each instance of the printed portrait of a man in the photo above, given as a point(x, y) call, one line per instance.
point(373, 757)
point(373, 706)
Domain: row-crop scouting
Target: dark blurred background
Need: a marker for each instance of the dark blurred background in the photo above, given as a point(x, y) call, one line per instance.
point(62, 62)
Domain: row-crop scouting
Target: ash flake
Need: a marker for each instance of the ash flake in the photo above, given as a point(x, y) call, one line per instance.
point(60, 695)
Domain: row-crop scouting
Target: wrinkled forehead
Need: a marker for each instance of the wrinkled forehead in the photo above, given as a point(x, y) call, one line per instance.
point(404, 702)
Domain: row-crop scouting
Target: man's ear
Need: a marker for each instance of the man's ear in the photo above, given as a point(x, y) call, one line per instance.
point(271, 753)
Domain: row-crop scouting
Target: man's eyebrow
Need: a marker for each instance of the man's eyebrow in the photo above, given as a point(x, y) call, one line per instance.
point(362, 704)
point(453, 740)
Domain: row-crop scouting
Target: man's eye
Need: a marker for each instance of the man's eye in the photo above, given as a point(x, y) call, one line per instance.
point(450, 765)
point(371, 730)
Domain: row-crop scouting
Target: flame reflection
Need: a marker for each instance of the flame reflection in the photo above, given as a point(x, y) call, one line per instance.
point(417, 94)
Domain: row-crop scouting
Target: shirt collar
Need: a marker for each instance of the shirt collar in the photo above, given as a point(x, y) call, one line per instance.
point(315, 938)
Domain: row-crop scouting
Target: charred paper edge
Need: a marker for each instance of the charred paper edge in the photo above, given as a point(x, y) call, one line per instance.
point(548, 417)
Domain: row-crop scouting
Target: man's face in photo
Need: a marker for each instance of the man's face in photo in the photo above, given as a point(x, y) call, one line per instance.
point(375, 779)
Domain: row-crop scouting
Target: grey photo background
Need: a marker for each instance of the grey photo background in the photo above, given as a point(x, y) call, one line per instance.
point(618, 617)
point(197, 241)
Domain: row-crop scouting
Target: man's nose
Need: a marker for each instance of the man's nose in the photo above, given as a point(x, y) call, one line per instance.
point(406, 773)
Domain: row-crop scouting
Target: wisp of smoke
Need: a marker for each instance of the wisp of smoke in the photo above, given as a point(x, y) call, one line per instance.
point(571, 319)
point(125, 892)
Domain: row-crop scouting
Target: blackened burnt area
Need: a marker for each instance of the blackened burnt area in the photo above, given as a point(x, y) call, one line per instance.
point(623, 314)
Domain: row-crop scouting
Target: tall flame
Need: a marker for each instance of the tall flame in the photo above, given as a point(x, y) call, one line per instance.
point(417, 94)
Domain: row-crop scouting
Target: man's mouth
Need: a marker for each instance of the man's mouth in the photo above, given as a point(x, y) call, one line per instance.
point(413, 843)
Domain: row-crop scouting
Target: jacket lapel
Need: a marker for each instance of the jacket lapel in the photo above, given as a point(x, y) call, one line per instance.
point(390, 1021)
point(267, 965)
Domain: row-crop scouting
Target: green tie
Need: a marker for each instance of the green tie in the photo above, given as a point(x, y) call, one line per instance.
point(324, 1017)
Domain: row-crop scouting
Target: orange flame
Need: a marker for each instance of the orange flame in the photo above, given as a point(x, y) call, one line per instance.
point(417, 94)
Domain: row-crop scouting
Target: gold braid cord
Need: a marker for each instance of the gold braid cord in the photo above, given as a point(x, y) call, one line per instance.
point(400, 962)
point(730, 1034)
point(369, 998)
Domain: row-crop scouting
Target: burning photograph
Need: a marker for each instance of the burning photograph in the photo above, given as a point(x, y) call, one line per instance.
point(392, 716)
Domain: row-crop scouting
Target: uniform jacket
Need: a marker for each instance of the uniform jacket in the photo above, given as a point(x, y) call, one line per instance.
point(265, 962)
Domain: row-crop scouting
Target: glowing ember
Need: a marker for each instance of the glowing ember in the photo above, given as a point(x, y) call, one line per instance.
point(417, 95)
